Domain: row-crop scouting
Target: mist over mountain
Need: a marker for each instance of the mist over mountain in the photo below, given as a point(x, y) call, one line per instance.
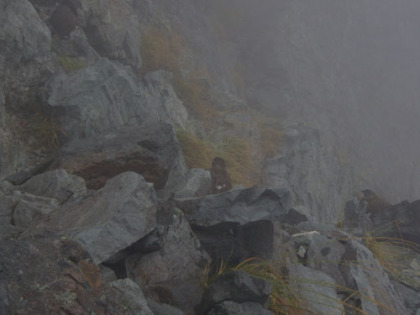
point(347, 68)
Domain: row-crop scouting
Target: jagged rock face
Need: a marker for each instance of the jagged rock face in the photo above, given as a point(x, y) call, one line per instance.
point(365, 273)
point(162, 272)
point(311, 172)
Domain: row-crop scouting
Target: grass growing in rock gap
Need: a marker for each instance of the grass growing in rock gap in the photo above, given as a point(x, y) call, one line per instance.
point(394, 254)
point(290, 294)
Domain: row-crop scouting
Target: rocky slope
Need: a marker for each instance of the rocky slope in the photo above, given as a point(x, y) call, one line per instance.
point(111, 112)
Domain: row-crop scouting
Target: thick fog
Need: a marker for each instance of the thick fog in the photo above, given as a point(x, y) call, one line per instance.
point(352, 70)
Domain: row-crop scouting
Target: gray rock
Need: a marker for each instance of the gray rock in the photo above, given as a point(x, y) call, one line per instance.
point(7, 204)
point(232, 308)
point(163, 309)
point(136, 302)
point(150, 150)
point(113, 30)
point(355, 216)
point(31, 208)
point(319, 253)
point(112, 218)
point(411, 297)
point(57, 184)
point(176, 268)
point(242, 206)
point(398, 221)
point(25, 64)
point(236, 286)
point(106, 96)
point(198, 184)
point(24, 174)
point(232, 243)
point(309, 169)
point(24, 38)
point(7, 230)
point(362, 272)
point(316, 290)
point(107, 274)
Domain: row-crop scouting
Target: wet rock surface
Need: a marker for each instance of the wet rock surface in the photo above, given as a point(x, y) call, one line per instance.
point(109, 220)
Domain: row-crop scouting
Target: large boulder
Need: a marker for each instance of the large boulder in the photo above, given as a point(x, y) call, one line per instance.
point(242, 206)
point(150, 150)
point(172, 274)
point(232, 243)
point(113, 30)
point(25, 64)
point(364, 274)
point(110, 219)
point(320, 253)
point(25, 48)
point(134, 298)
point(105, 96)
point(238, 224)
point(198, 184)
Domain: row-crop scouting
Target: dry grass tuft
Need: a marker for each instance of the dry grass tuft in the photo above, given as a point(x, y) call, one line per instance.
point(198, 153)
point(161, 50)
point(239, 163)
